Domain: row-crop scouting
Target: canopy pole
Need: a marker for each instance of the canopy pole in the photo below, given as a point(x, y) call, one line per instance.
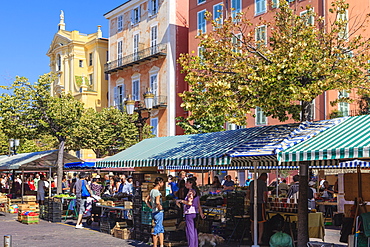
point(203, 178)
point(277, 181)
point(49, 181)
point(22, 184)
point(255, 217)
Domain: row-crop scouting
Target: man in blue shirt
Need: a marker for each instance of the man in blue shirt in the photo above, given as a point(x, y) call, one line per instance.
point(228, 184)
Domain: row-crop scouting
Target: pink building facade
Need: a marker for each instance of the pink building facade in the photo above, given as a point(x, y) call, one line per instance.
point(263, 9)
point(146, 38)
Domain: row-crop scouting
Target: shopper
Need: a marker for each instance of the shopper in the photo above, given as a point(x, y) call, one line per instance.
point(294, 188)
point(283, 187)
point(96, 186)
point(191, 208)
point(173, 185)
point(216, 183)
point(261, 201)
point(41, 187)
point(82, 191)
point(228, 184)
point(157, 211)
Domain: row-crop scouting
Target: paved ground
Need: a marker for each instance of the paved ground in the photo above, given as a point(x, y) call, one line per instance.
point(57, 234)
point(64, 234)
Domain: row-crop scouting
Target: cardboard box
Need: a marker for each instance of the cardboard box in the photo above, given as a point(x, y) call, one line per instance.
point(121, 225)
point(147, 186)
point(152, 176)
point(170, 223)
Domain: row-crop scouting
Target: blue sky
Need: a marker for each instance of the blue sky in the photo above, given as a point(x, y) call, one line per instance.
point(28, 27)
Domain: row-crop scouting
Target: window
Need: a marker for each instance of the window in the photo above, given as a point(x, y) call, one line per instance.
point(237, 43)
point(90, 59)
point(217, 13)
point(80, 63)
point(154, 124)
point(153, 39)
point(153, 7)
point(59, 63)
point(232, 126)
point(201, 50)
point(260, 6)
point(311, 109)
point(261, 35)
point(202, 21)
point(342, 17)
point(309, 19)
point(136, 46)
point(261, 119)
point(154, 84)
point(135, 15)
point(119, 53)
point(236, 6)
point(107, 56)
point(343, 107)
point(275, 3)
point(119, 23)
point(201, 1)
point(91, 79)
point(119, 96)
point(136, 89)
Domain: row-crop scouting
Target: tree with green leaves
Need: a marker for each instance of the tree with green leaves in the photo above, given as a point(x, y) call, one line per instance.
point(106, 132)
point(301, 58)
point(31, 111)
point(241, 67)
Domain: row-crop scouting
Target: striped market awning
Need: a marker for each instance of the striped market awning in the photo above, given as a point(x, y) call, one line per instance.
point(234, 149)
point(348, 140)
point(202, 150)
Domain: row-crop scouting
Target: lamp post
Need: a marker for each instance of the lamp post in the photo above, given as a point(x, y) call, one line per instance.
point(13, 145)
point(130, 109)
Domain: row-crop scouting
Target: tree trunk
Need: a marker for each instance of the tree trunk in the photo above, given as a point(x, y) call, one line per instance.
point(60, 165)
point(303, 237)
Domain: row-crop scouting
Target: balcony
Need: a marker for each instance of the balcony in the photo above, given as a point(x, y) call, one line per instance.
point(160, 101)
point(136, 58)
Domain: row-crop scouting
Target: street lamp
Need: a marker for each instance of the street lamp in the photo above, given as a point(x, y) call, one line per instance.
point(13, 145)
point(130, 109)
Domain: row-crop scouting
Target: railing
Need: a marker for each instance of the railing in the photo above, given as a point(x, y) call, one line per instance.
point(134, 58)
point(159, 101)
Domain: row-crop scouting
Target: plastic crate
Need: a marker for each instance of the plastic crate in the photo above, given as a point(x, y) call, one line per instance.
point(145, 208)
point(146, 229)
point(107, 226)
point(146, 218)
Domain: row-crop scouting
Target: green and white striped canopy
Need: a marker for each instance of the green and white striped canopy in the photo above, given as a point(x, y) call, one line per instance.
point(348, 140)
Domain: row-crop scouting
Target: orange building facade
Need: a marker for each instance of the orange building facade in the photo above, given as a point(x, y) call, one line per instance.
point(255, 10)
point(145, 40)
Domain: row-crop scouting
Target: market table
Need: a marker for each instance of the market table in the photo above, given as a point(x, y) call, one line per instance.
point(328, 209)
point(316, 227)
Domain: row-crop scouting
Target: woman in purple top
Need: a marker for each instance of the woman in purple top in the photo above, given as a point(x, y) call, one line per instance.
point(191, 208)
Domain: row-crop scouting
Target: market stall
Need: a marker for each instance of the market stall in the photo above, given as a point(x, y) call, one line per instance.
point(345, 142)
point(252, 148)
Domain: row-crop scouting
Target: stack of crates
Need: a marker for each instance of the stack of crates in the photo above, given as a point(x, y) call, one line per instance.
point(53, 210)
point(107, 222)
point(235, 204)
point(136, 212)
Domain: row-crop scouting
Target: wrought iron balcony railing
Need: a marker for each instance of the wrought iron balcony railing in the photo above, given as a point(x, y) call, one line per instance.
point(135, 58)
point(159, 101)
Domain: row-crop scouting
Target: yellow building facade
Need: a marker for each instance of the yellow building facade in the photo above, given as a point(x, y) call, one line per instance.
point(78, 61)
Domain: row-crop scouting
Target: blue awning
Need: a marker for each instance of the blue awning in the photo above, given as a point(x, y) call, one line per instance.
point(80, 165)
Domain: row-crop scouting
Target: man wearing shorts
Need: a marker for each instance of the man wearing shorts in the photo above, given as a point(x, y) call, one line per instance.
point(41, 190)
point(261, 200)
point(81, 200)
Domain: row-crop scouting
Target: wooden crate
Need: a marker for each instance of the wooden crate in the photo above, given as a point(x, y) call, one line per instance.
point(121, 233)
point(29, 198)
point(30, 219)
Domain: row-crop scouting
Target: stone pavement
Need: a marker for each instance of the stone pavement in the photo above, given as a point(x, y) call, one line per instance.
point(47, 234)
point(64, 234)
